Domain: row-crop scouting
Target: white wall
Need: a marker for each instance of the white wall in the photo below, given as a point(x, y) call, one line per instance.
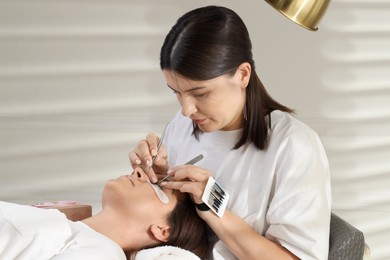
point(80, 84)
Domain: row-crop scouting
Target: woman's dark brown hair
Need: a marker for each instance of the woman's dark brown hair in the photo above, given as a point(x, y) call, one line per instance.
point(211, 41)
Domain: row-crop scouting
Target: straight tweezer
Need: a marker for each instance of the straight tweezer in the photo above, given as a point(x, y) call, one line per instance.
point(190, 162)
point(160, 142)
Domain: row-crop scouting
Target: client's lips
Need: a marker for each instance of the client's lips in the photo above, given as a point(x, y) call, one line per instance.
point(199, 121)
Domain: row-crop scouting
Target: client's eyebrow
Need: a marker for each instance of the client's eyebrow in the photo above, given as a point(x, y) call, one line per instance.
point(188, 90)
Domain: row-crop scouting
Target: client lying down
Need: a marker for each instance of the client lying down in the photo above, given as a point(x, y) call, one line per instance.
point(133, 217)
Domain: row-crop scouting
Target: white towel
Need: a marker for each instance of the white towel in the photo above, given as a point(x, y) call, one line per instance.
point(165, 253)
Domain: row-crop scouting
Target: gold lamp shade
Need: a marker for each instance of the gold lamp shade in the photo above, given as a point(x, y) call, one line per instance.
point(306, 13)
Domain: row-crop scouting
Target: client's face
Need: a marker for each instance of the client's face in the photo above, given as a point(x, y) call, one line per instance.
point(133, 195)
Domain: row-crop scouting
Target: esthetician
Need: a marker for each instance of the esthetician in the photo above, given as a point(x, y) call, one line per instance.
point(273, 166)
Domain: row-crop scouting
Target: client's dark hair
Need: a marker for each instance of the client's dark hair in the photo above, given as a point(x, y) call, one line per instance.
point(188, 230)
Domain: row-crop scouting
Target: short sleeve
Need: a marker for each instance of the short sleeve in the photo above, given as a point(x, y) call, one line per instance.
point(299, 212)
point(301, 224)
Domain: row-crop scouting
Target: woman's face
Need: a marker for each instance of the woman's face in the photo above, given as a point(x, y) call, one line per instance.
point(133, 196)
point(215, 104)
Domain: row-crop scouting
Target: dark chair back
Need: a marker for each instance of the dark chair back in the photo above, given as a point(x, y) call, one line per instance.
point(345, 241)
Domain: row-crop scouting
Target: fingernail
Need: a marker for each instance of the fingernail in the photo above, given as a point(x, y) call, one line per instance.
point(170, 172)
point(154, 152)
point(164, 183)
point(138, 161)
point(154, 179)
point(149, 163)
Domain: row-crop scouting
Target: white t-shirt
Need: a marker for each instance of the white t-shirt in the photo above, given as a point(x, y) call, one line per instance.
point(28, 233)
point(283, 192)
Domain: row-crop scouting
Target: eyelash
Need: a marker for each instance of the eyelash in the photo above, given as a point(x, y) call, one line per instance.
point(200, 95)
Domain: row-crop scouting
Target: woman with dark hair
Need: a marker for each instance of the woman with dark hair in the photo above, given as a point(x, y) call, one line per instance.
point(273, 166)
point(133, 217)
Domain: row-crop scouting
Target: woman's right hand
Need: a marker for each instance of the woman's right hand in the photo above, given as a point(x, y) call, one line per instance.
point(143, 155)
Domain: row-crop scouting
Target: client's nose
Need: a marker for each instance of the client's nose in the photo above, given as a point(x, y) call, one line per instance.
point(140, 174)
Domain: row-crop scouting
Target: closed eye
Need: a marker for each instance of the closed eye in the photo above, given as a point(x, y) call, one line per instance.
point(200, 95)
point(176, 93)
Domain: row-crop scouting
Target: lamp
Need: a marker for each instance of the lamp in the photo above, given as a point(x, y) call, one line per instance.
point(306, 13)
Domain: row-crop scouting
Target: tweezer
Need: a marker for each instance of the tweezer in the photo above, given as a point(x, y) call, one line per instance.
point(159, 143)
point(190, 162)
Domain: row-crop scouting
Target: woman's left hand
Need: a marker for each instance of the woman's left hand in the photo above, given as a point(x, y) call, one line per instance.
point(190, 179)
point(239, 236)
